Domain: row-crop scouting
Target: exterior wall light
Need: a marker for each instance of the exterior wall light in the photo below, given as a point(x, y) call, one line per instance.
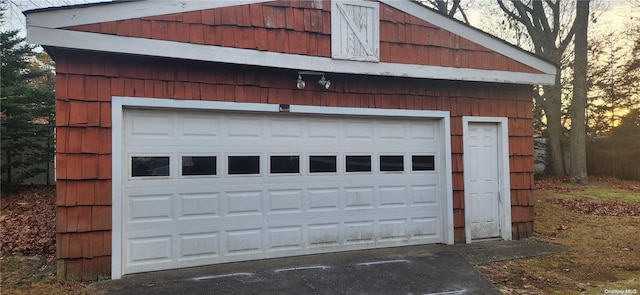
point(324, 82)
point(300, 83)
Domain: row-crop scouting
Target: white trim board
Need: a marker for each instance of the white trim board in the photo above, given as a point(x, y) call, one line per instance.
point(118, 104)
point(160, 48)
point(504, 176)
point(90, 14)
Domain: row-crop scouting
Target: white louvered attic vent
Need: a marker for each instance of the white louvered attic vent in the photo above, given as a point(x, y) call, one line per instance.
point(355, 29)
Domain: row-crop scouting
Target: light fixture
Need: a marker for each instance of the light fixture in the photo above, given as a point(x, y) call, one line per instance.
point(324, 82)
point(300, 83)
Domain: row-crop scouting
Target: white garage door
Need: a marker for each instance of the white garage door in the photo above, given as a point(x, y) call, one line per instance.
point(212, 187)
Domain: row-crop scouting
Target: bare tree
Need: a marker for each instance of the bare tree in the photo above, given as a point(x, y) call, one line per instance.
point(578, 167)
point(542, 20)
point(449, 8)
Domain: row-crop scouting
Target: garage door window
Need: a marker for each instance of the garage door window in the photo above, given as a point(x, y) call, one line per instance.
point(149, 166)
point(285, 164)
point(243, 165)
point(423, 163)
point(391, 163)
point(358, 163)
point(322, 164)
point(199, 165)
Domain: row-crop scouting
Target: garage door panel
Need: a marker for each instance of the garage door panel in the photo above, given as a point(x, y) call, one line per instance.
point(285, 129)
point(393, 196)
point(285, 238)
point(199, 246)
point(359, 232)
point(206, 219)
point(244, 241)
point(243, 203)
point(392, 131)
point(324, 234)
point(284, 201)
point(322, 129)
point(394, 229)
point(420, 131)
point(146, 250)
point(199, 205)
point(424, 194)
point(426, 227)
point(150, 125)
point(243, 127)
point(358, 130)
point(200, 127)
point(357, 198)
point(323, 199)
point(150, 208)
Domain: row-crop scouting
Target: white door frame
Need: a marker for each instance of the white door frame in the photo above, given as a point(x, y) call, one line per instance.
point(118, 104)
point(504, 186)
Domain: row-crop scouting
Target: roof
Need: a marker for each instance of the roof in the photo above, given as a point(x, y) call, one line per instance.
point(47, 27)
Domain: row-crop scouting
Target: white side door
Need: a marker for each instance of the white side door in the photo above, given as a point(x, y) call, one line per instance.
point(483, 180)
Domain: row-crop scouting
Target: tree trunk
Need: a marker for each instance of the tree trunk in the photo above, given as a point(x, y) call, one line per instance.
point(578, 170)
point(553, 112)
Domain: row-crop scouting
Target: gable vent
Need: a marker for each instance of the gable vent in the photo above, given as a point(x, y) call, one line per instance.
point(355, 29)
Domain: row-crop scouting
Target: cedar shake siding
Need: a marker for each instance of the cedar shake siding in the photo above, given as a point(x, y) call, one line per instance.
point(86, 81)
point(300, 27)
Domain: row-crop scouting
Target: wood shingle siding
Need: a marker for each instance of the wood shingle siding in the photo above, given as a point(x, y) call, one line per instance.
point(86, 81)
point(299, 28)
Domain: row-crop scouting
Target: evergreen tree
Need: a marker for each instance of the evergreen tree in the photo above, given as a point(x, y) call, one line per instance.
point(27, 102)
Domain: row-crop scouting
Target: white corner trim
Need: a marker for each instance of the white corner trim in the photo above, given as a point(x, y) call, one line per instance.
point(504, 176)
point(470, 34)
point(447, 182)
point(128, 45)
point(116, 190)
point(106, 12)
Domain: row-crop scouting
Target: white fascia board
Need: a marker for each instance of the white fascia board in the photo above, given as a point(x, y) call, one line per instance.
point(471, 34)
point(160, 48)
point(82, 15)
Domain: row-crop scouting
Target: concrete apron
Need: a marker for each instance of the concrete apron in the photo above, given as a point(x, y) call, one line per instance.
point(429, 269)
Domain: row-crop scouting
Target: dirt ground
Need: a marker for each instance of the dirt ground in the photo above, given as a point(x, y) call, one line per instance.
point(599, 224)
point(28, 243)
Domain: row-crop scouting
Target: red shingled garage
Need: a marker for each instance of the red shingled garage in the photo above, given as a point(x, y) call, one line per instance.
point(213, 132)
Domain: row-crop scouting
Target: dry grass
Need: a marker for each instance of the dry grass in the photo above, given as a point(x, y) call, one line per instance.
point(603, 251)
point(29, 275)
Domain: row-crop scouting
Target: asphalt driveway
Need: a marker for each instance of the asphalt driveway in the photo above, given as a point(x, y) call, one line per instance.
point(430, 269)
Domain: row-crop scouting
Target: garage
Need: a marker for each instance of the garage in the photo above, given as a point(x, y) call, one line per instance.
point(204, 132)
point(205, 187)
